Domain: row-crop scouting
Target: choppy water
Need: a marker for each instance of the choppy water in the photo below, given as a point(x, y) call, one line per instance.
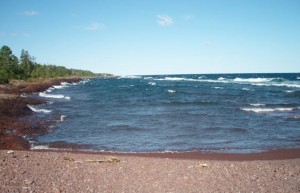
point(220, 112)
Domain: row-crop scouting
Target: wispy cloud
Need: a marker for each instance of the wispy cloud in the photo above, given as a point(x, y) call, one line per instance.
point(2, 34)
point(208, 44)
point(164, 20)
point(14, 34)
point(95, 26)
point(30, 13)
point(27, 35)
point(188, 17)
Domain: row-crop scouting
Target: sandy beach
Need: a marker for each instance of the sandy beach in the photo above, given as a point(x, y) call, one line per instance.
point(29, 171)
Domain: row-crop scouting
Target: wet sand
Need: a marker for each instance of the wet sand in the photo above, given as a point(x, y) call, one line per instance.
point(60, 171)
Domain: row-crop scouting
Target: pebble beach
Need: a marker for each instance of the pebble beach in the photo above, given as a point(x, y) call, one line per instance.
point(29, 171)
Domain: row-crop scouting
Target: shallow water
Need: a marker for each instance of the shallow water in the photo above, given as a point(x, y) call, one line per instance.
point(220, 112)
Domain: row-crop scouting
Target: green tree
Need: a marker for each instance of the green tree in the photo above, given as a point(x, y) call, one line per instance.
point(8, 65)
point(11, 68)
point(27, 64)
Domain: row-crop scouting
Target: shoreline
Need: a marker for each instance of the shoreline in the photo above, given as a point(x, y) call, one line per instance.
point(14, 111)
point(13, 124)
point(279, 154)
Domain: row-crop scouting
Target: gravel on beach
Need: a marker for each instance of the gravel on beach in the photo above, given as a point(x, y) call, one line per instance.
point(34, 171)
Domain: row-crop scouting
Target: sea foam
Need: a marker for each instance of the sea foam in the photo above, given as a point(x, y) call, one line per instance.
point(152, 83)
point(39, 110)
point(266, 110)
point(171, 91)
point(56, 96)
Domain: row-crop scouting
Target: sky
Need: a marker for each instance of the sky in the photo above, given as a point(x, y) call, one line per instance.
point(144, 37)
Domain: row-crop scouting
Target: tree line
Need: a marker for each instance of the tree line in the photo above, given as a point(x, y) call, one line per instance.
point(25, 67)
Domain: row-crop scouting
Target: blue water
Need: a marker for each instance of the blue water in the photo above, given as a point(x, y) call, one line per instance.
point(219, 112)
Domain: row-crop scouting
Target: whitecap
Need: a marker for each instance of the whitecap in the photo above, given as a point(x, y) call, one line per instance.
point(148, 77)
point(266, 110)
point(50, 89)
point(171, 91)
point(245, 89)
point(67, 98)
point(298, 78)
point(23, 95)
point(221, 78)
point(39, 110)
point(59, 86)
point(289, 91)
point(62, 118)
point(253, 79)
point(257, 104)
point(292, 85)
point(84, 81)
point(56, 96)
point(131, 76)
point(216, 87)
point(175, 78)
point(152, 83)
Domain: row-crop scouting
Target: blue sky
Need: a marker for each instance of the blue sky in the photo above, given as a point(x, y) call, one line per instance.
point(128, 37)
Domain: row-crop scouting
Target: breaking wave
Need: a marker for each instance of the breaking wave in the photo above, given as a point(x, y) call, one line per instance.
point(56, 96)
point(39, 110)
point(266, 110)
point(252, 81)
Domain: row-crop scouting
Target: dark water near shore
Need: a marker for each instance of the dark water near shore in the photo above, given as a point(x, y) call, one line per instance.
point(220, 112)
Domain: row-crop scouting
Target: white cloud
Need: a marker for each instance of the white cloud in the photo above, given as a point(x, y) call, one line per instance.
point(30, 13)
point(164, 20)
point(95, 26)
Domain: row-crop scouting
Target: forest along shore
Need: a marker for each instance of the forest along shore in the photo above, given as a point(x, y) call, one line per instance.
point(13, 107)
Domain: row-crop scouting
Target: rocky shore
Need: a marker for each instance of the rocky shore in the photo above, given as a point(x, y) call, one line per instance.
point(13, 109)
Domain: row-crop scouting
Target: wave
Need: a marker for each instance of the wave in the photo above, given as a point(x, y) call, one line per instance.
point(171, 91)
point(152, 83)
point(62, 118)
point(289, 91)
point(266, 110)
point(131, 77)
point(221, 78)
point(176, 103)
point(247, 89)
point(281, 82)
point(84, 81)
point(257, 104)
point(39, 147)
point(59, 86)
point(39, 110)
point(56, 96)
point(252, 79)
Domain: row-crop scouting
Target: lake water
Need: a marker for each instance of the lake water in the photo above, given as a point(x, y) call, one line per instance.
point(216, 112)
